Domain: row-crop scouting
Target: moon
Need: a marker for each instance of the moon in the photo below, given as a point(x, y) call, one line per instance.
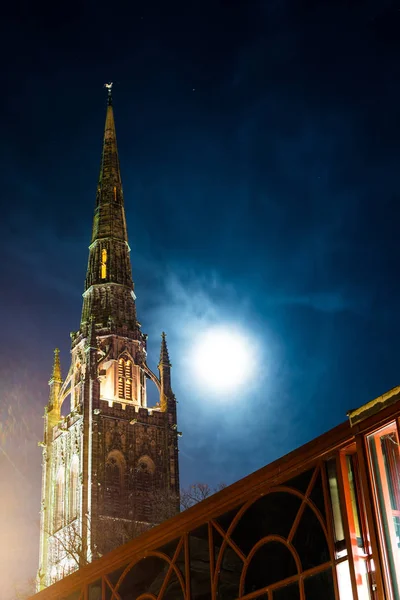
point(223, 359)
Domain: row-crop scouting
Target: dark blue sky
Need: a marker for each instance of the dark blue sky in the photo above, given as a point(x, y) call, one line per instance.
point(259, 147)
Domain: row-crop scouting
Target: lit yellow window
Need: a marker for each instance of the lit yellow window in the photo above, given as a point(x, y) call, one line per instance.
point(121, 378)
point(103, 263)
point(128, 380)
point(128, 369)
point(125, 379)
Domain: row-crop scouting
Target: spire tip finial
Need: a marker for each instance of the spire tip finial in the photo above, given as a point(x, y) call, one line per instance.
point(108, 87)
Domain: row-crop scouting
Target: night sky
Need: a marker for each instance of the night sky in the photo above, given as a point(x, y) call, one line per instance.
point(259, 148)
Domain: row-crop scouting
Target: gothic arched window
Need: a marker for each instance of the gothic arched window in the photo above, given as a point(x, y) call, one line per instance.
point(113, 484)
point(128, 380)
point(146, 465)
point(59, 499)
point(103, 267)
point(73, 489)
point(121, 378)
point(125, 379)
point(145, 486)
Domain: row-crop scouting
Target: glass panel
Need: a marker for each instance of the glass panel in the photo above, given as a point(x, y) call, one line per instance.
point(230, 570)
point(271, 563)
point(113, 578)
point(310, 542)
point(385, 459)
point(355, 507)
point(146, 576)
point(344, 580)
point(217, 539)
point(108, 595)
point(94, 590)
point(363, 586)
point(229, 576)
point(200, 578)
point(300, 482)
point(357, 522)
point(317, 496)
point(226, 519)
point(173, 591)
point(271, 514)
point(340, 542)
point(169, 549)
point(289, 592)
point(115, 575)
point(320, 586)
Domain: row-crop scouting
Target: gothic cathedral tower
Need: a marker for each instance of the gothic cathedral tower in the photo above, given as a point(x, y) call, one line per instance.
point(110, 467)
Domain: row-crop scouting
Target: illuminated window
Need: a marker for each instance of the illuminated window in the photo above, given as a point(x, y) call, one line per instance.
point(385, 461)
point(125, 379)
point(353, 564)
point(128, 380)
point(338, 529)
point(121, 378)
point(355, 501)
point(59, 500)
point(103, 263)
point(73, 489)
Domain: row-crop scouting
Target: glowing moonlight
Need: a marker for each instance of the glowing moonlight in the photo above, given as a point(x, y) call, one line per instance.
point(223, 359)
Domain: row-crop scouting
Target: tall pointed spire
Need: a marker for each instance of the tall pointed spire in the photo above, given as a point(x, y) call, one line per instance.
point(109, 217)
point(56, 373)
point(108, 296)
point(55, 381)
point(164, 355)
point(164, 368)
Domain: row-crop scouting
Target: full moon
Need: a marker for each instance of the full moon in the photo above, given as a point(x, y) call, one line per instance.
point(223, 359)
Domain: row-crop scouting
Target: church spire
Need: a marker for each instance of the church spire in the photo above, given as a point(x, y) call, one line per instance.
point(106, 388)
point(109, 219)
point(56, 373)
point(55, 381)
point(164, 356)
point(164, 368)
point(108, 296)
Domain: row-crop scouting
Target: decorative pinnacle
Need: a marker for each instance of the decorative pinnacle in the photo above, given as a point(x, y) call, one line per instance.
point(108, 86)
point(56, 374)
point(164, 356)
point(91, 343)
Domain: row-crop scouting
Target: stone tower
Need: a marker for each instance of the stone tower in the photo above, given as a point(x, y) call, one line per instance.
point(110, 467)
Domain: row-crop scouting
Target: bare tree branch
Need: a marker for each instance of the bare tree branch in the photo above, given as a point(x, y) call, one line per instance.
point(197, 492)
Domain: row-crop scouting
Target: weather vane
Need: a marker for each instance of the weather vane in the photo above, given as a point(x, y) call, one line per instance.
point(108, 86)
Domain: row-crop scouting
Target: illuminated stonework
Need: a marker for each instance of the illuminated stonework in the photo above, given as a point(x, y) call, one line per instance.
point(110, 466)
